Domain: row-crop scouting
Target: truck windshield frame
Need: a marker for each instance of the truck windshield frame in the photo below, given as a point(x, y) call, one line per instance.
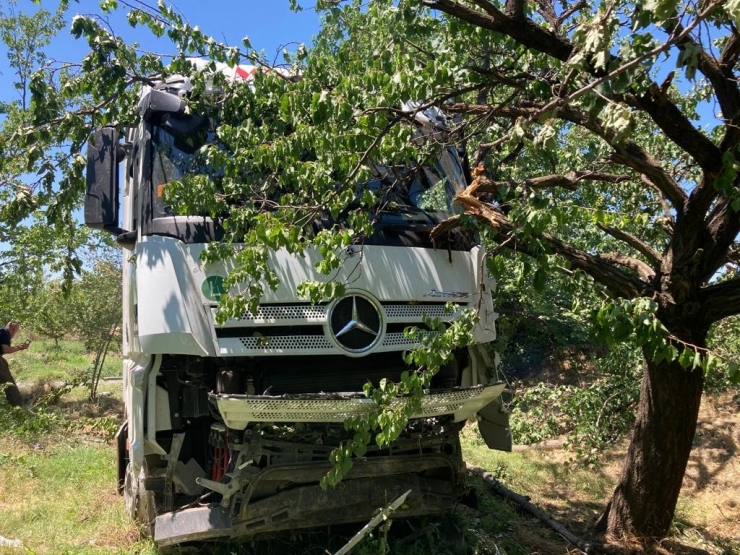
point(412, 199)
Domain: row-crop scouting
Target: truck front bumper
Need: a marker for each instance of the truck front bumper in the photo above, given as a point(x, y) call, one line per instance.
point(310, 506)
point(238, 411)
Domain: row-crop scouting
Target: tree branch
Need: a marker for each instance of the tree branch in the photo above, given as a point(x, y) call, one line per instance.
point(627, 153)
point(548, 13)
point(640, 246)
point(723, 225)
point(524, 31)
point(731, 52)
point(633, 156)
point(643, 270)
point(498, 77)
point(663, 202)
point(722, 79)
point(569, 182)
point(620, 283)
point(721, 300)
point(677, 127)
point(665, 113)
point(570, 11)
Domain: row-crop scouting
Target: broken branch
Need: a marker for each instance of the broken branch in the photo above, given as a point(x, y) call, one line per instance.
point(620, 283)
point(498, 488)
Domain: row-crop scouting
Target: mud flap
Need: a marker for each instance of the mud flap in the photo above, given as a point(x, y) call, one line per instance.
point(493, 423)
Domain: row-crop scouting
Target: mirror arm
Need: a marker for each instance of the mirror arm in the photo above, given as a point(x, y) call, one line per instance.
point(127, 239)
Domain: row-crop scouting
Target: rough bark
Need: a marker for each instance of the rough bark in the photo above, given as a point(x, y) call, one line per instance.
point(720, 300)
point(644, 500)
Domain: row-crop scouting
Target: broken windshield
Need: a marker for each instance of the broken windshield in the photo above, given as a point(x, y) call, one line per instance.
point(417, 194)
point(421, 193)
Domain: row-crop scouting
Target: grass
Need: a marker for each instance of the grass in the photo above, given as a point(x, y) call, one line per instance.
point(47, 361)
point(66, 502)
point(57, 469)
point(57, 485)
point(571, 495)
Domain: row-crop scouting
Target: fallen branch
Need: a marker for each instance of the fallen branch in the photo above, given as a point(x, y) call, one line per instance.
point(535, 511)
point(382, 515)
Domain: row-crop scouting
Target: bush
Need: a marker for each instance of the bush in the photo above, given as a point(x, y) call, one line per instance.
point(594, 416)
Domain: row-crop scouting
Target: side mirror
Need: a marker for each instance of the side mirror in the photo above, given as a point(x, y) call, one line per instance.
point(104, 152)
point(157, 104)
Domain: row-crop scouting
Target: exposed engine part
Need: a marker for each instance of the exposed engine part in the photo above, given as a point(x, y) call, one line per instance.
point(229, 380)
point(220, 458)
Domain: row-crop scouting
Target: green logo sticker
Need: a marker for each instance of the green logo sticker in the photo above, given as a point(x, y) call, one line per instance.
point(213, 288)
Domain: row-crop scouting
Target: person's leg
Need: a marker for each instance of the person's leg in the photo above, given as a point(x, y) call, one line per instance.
point(12, 393)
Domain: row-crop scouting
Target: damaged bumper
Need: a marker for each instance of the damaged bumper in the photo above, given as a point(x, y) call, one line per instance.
point(367, 488)
point(273, 484)
point(238, 411)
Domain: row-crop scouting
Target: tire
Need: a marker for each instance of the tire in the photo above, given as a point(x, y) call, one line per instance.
point(141, 504)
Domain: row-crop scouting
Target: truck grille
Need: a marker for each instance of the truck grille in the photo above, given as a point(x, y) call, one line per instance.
point(301, 328)
point(268, 314)
point(283, 313)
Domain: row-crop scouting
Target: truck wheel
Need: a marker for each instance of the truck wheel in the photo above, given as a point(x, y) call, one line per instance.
point(140, 503)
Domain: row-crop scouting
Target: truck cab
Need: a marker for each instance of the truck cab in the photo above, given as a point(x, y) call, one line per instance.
point(230, 425)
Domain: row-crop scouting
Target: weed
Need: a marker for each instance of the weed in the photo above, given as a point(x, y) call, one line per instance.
point(20, 422)
point(103, 426)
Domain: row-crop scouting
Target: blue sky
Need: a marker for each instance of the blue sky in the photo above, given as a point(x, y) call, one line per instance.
point(269, 24)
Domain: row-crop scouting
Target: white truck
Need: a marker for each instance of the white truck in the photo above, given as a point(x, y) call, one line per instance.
point(228, 428)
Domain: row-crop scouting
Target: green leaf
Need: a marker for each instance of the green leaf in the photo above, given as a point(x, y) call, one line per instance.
point(662, 9)
point(686, 358)
point(697, 362)
point(733, 8)
point(733, 371)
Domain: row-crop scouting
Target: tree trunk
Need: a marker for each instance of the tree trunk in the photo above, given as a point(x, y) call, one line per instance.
point(644, 501)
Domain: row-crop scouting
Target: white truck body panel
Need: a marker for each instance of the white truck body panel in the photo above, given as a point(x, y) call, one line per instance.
point(174, 315)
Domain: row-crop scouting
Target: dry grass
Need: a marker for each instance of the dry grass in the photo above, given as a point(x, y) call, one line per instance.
point(709, 507)
point(708, 514)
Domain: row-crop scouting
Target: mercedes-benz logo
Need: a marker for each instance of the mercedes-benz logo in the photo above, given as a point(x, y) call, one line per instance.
point(355, 323)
